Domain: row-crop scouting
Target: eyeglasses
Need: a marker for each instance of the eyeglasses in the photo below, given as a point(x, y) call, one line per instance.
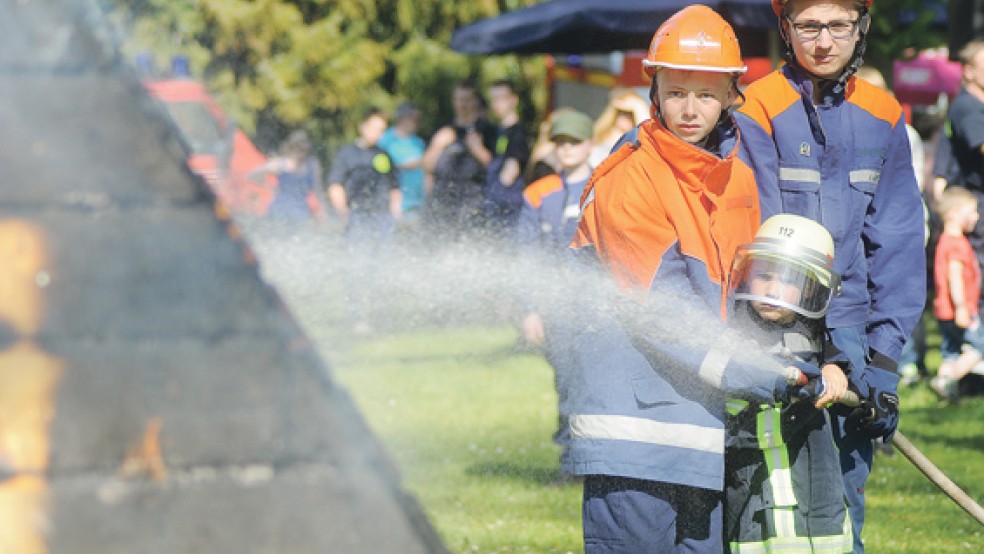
point(810, 30)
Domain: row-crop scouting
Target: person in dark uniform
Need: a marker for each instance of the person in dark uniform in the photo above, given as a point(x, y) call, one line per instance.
point(504, 179)
point(364, 190)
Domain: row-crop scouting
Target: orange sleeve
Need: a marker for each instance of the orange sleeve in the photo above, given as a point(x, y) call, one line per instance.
point(627, 225)
point(541, 187)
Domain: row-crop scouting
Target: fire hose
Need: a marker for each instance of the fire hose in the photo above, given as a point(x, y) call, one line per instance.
point(928, 468)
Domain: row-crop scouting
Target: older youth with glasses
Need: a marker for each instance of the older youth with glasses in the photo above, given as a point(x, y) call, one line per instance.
point(828, 146)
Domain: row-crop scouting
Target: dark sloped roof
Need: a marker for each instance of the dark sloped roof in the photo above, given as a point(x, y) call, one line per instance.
point(140, 311)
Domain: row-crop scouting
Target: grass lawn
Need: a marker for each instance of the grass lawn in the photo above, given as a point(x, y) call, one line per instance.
point(469, 421)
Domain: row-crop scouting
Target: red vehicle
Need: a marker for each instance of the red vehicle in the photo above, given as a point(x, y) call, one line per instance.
point(584, 82)
point(220, 152)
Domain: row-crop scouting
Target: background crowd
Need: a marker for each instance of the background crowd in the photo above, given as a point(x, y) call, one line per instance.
point(465, 182)
point(478, 182)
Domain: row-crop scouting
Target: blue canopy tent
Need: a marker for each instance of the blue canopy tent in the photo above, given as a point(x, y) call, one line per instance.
point(598, 26)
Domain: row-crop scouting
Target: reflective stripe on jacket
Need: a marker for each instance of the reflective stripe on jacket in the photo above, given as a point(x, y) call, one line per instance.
point(784, 491)
point(845, 163)
point(659, 216)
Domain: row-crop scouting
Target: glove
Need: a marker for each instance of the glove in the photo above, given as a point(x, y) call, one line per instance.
point(878, 414)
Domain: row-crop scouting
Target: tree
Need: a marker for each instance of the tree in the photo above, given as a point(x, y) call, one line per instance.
point(899, 29)
point(280, 64)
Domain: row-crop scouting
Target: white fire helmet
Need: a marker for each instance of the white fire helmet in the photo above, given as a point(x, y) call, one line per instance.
point(790, 264)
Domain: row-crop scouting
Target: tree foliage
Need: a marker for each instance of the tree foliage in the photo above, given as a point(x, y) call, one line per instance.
point(281, 64)
point(899, 29)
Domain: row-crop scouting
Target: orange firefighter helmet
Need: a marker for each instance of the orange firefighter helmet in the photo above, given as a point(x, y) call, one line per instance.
point(695, 38)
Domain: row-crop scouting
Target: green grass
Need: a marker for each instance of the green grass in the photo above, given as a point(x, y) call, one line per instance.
point(469, 421)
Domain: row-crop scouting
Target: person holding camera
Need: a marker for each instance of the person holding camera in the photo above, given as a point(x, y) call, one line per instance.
point(456, 161)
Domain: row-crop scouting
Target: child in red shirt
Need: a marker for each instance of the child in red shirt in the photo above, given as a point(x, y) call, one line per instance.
point(958, 290)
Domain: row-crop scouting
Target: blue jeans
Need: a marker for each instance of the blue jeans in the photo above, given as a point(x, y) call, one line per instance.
point(633, 516)
point(856, 450)
point(952, 338)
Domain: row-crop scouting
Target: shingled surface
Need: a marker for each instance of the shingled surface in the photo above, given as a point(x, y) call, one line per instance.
point(190, 413)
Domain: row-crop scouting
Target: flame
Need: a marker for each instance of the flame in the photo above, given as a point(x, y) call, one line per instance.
point(146, 458)
point(28, 380)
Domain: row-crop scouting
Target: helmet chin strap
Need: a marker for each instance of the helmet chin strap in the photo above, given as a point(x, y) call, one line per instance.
point(857, 58)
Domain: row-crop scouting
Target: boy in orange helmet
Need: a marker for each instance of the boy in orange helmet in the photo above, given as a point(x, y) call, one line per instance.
point(663, 216)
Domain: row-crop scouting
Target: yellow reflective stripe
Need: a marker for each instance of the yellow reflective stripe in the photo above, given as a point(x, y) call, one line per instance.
point(767, 428)
point(832, 544)
point(776, 457)
point(786, 541)
point(635, 429)
point(735, 405)
point(782, 485)
point(794, 545)
point(785, 521)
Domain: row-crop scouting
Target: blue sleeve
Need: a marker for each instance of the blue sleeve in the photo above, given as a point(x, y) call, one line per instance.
point(703, 348)
point(896, 260)
point(631, 137)
point(757, 148)
point(527, 228)
point(696, 350)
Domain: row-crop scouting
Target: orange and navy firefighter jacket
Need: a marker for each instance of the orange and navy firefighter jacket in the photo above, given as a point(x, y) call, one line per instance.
point(845, 163)
point(664, 218)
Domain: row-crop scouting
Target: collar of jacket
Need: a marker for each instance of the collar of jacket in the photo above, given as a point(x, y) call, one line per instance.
point(800, 80)
point(691, 163)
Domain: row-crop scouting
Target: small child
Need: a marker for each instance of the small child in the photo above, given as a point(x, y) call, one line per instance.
point(298, 173)
point(784, 490)
point(958, 290)
point(548, 221)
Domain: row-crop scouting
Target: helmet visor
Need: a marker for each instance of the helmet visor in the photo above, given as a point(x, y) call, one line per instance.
point(782, 283)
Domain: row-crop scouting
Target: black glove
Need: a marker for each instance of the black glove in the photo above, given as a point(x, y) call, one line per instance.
point(878, 414)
